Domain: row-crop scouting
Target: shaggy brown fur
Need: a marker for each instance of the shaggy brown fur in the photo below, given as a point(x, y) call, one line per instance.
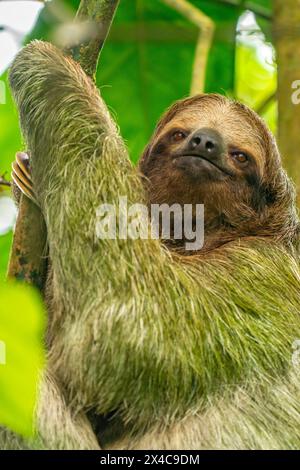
point(170, 351)
point(254, 199)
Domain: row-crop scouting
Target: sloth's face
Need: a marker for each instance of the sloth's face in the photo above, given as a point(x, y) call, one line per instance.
point(207, 150)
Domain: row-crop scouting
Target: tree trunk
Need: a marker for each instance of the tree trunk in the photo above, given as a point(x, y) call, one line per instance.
point(99, 14)
point(286, 30)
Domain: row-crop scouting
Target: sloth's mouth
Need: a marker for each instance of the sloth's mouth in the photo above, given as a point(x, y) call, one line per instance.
point(183, 160)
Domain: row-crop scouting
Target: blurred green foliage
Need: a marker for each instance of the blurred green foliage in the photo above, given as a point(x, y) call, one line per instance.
point(10, 140)
point(22, 323)
point(5, 243)
point(256, 82)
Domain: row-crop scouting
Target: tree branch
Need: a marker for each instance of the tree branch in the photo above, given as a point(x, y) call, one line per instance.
point(204, 43)
point(29, 250)
point(4, 182)
point(28, 260)
point(286, 36)
point(265, 104)
point(258, 10)
point(98, 16)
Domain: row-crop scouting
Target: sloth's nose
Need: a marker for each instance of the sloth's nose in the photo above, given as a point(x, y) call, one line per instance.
point(206, 143)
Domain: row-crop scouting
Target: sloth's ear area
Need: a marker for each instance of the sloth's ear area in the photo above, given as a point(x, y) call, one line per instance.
point(154, 149)
point(263, 196)
point(258, 199)
point(144, 159)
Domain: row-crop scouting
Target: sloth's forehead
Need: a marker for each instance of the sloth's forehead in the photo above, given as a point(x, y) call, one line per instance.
point(224, 117)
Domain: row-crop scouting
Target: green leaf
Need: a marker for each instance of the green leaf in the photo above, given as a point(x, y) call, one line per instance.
point(5, 243)
point(22, 322)
point(267, 4)
point(10, 136)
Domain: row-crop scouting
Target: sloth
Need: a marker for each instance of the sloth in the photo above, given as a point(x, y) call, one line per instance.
point(149, 346)
point(216, 152)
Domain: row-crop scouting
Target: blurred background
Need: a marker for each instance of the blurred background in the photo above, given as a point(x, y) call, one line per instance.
point(157, 52)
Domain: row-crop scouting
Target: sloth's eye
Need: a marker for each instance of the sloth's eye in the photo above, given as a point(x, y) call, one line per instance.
point(178, 136)
point(240, 157)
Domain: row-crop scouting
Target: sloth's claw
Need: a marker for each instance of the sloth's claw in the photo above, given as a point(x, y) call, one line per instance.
point(21, 175)
point(23, 162)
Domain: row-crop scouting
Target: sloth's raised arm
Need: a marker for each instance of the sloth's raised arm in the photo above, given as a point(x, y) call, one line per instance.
point(78, 158)
point(63, 118)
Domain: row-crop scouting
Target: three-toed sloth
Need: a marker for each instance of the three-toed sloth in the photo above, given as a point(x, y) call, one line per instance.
point(148, 346)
